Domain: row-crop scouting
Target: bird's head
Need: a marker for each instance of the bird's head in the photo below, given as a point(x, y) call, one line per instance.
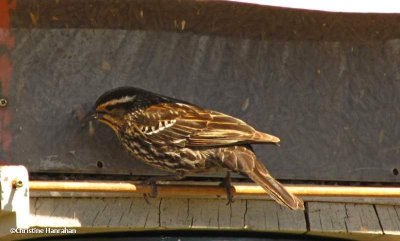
point(113, 106)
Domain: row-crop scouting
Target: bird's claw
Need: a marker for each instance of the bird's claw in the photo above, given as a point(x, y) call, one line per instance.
point(154, 191)
point(229, 196)
point(226, 183)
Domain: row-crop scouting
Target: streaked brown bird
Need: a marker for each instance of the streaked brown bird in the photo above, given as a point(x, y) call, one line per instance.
point(182, 138)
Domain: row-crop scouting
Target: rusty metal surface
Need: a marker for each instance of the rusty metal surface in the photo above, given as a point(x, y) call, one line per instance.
point(332, 96)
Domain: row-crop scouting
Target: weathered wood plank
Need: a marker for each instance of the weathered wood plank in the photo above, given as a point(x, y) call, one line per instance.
point(174, 213)
point(140, 214)
point(216, 214)
point(258, 215)
point(201, 214)
point(108, 214)
point(362, 218)
point(327, 217)
point(54, 212)
point(167, 212)
point(355, 221)
point(85, 209)
point(268, 215)
point(389, 217)
point(232, 216)
point(94, 212)
point(339, 217)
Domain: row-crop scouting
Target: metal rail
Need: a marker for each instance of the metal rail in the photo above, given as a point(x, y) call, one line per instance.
point(208, 190)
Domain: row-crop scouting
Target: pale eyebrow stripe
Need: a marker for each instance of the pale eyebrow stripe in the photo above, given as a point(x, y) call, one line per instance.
point(121, 100)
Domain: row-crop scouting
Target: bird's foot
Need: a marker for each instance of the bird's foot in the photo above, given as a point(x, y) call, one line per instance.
point(153, 193)
point(226, 183)
point(152, 181)
point(153, 184)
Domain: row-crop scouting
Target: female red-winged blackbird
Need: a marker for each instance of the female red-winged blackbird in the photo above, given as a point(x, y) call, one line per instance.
point(182, 138)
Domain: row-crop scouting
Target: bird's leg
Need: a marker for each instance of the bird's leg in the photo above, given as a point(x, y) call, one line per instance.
point(153, 182)
point(153, 192)
point(226, 183)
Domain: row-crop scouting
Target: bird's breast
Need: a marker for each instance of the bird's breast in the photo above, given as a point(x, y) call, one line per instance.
point(166, 156)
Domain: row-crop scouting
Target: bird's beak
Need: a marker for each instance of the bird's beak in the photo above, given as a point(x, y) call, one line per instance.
point(91, 115)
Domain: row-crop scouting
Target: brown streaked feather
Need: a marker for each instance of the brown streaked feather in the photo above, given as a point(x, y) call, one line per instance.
point(195, 126)
point(241, 159)
point(275, 188)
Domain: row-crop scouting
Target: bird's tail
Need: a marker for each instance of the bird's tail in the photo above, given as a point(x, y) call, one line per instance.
point(274, 188)
point(243, 160)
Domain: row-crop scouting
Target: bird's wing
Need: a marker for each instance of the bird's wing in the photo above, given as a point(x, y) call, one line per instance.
point(187, 125)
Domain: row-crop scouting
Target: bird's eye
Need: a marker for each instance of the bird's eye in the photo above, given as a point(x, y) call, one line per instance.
point(110, 107)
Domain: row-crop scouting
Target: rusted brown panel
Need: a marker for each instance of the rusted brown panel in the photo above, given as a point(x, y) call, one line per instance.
point(206, 17)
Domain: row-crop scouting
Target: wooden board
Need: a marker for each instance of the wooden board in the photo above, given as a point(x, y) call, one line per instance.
point(262, 215)
point(327, 84)
point(356, 221)
point(389, 217)
point(338, 217)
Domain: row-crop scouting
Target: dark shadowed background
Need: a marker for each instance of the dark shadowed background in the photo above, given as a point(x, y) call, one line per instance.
point(328, 84)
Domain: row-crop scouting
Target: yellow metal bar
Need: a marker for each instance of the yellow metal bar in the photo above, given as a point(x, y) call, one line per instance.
point(207, 190)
